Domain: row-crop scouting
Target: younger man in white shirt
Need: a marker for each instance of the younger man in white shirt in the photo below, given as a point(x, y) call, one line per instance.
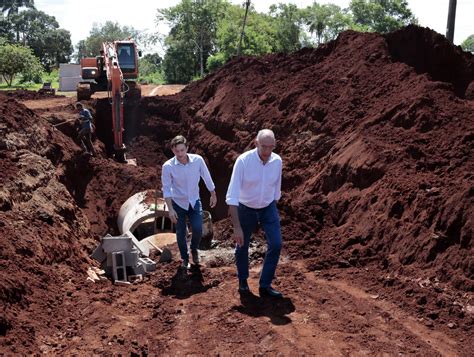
point(180, 178)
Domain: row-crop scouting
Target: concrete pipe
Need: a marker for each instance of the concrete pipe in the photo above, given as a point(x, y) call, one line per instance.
point(139, 208)
point(147, 218)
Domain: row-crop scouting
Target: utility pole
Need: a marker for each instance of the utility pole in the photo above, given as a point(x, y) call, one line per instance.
point(451, 20)
point(247, 5)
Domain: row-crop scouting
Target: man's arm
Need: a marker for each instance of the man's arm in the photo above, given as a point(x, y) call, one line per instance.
point(232, 199)
point(166, 181)
point(206, 176)
point(238, 234)
point(277, 194)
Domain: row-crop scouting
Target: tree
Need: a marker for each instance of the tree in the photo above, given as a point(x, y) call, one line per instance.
point(41, 32)
point(381, 15)
point(6, 28)
point(468, 44)
point(108, 32)
point(12, 6)
point(325, 22)
point(11, 9)
point(17, 59)
point(287, 22)
point(259, 37)
point(192, 36)
point(150, 68)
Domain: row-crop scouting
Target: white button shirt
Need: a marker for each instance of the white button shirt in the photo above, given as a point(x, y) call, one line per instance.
point(253, 183)
point(181, 182)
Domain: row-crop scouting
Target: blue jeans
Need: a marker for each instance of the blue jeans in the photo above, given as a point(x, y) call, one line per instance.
point(269, 219)
point(195, 218)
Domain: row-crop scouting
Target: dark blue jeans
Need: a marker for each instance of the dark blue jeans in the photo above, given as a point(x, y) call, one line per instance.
point(194, 214)
point(269, 219)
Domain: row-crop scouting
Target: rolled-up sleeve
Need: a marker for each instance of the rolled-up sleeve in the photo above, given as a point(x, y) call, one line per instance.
point(166, 181)
point(233, 192)
point(278, 183)
point(206, 175)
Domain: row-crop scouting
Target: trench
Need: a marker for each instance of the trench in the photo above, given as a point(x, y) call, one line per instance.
point(147, 132)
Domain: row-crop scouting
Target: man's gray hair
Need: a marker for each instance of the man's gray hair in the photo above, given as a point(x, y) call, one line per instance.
point(264, 133)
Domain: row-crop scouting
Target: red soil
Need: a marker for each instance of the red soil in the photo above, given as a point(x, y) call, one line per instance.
point(376, 134)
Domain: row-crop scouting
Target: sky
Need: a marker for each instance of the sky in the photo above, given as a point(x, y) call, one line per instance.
point(78, 17)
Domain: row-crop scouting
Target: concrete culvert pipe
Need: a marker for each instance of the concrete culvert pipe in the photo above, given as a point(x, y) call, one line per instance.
point(146, 216)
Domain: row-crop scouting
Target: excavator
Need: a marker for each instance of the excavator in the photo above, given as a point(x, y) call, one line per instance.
point(115, 70)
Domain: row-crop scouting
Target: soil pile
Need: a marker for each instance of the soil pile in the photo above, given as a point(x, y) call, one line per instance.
point(55, 203)
point(25, 94)
point(376, 137)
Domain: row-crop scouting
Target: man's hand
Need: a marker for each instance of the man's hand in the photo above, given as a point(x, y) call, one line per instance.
point(238, 236)
point(213, 199)
point(173, 215)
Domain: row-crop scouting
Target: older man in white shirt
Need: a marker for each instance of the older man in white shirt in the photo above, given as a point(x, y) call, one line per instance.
point(254, 188)
point(180, 178)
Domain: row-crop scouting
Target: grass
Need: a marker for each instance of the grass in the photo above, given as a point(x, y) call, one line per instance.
point(52, 77)
point(29, 86)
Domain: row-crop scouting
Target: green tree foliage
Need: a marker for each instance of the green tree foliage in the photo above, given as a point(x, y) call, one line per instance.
point(468, 44)
point(10, 7)
point(18, 60)
point(287, 19)
point(6, 28)
point(41, 32)
point(325, 22)
point(259, 37)
point(381, 15)
point(108, 32)
point(192, 37)
point(149, 68)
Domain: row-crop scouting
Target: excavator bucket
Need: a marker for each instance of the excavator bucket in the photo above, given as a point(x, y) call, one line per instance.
point(133, 93)
point(83, 91)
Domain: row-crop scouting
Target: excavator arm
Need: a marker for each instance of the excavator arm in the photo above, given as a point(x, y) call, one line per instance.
point(114, 71)
point(116, 95)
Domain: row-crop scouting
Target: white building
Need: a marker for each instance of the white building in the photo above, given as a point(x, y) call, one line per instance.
point(69, 77)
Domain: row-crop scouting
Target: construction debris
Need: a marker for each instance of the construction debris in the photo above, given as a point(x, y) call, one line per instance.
point(122, 257)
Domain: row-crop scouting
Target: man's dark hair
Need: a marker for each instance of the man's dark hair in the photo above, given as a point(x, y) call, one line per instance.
point(79, 104)
point(177, 140)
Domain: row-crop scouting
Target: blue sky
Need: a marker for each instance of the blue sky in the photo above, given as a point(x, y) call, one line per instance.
point(79, 16)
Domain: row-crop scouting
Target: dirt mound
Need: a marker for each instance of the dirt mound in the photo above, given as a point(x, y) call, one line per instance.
point(376, 139)
point(48, 222)
point(375, 135)
point(24, 94)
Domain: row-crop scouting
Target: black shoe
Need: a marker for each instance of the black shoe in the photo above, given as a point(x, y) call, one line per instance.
point(185, 265)
point(195, 256)
point(243, 286)
point(270, 292)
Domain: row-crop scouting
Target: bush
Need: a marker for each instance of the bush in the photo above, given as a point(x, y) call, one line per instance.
point(216, 61)
point(19, 60)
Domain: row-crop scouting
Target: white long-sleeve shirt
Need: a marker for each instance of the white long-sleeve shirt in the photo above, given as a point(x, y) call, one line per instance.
point(253, 183)
point(181, 182)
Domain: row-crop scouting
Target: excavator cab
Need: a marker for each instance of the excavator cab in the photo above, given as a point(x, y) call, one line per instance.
point(127, 59)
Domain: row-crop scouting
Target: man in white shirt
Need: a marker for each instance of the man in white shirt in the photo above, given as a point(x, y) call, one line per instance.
point(254, 188)
point(180, 178)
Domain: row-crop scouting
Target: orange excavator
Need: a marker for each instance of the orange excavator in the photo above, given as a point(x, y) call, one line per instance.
point(114, 71)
